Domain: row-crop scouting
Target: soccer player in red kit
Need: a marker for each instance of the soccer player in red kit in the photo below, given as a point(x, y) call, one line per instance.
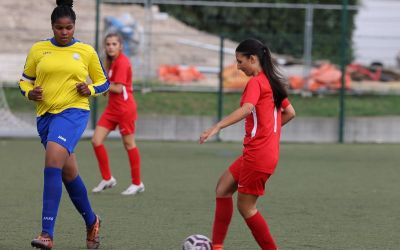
point(121, 112)
point(265, 108)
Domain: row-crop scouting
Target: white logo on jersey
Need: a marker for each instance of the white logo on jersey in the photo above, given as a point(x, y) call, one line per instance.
point(62, 138)
point(110, 73)
point(76, 56)
point(124, 93)
point(48, 218)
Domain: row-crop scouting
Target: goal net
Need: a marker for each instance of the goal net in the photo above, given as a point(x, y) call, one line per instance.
point(10, 124)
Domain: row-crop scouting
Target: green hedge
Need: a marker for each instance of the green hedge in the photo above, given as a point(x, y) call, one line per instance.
point(281, 29)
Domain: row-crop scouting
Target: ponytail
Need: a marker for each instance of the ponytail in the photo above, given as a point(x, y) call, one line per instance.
point(254, 47)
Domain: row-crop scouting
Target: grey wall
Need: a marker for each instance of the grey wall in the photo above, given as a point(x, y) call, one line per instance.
point(316, 130)
point(302, 129)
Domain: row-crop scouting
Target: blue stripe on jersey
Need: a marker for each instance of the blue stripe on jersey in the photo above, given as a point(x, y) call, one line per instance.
point(101, 64)
point(101, 88)
point(104, 86)
point(54, 42)
point(29, 77)
point(22, 92)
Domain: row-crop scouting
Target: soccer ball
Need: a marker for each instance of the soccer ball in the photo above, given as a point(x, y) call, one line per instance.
point(197, 242)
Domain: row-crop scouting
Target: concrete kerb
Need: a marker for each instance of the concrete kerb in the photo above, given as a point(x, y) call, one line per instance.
point(301, 130)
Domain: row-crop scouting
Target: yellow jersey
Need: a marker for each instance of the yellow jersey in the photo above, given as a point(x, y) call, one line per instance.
point(57, 69)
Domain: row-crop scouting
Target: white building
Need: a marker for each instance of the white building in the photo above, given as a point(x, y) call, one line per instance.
point(377, 33)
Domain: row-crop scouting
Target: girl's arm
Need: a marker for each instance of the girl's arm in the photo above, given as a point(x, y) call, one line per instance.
point(28, 78)
point(100, 83)
point(233, 118)
point(288, 114)
point(116, 87)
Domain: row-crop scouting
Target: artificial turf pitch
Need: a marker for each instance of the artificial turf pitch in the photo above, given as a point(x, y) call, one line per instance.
point(323, 196)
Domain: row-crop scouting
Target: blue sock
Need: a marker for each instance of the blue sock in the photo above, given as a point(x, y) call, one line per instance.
point(52, 191)
point(78, 194)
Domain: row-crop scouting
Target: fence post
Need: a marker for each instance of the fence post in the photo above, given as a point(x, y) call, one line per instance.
point(220, 108)
point(147, 44)
point(343, 62)
point(96, 46)
point(308, 33)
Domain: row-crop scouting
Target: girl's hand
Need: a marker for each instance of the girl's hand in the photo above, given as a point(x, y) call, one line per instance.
point(209, 133)
point(83, 89)
point(36, 94)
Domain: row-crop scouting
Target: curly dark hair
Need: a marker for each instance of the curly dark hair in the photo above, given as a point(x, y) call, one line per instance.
point(63, 9)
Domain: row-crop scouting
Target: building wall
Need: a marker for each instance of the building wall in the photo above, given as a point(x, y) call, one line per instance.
point(377, 34)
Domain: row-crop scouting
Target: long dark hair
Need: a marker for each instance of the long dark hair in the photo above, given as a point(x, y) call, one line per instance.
point(250, 47)
point(107, 57)
point(63, 9)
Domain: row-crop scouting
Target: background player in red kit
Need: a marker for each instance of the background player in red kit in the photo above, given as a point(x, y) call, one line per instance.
point(121, 112)
point(265, 107)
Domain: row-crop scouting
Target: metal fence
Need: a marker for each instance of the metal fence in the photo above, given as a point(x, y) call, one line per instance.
point(168, 55)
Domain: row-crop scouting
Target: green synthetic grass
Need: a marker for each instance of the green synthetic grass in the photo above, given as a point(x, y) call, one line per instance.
point(322, 196)
point(190, 103)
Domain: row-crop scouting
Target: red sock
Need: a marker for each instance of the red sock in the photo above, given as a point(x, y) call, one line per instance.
point(102, 159)
point(134, 160)
point(260, 231)
point(222, 219)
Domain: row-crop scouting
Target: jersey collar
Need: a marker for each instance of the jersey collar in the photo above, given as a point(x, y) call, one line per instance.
point(54, 42)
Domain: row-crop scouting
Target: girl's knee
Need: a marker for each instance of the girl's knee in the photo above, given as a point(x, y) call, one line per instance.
point(246, 210)
point(221, 191)
point(129, 146)
point(96, 142)
point(54, 161)
point(226, 185)
point(129, 143)
point(69, 175)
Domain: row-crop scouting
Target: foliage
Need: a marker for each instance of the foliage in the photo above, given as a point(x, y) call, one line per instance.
point(281, 29)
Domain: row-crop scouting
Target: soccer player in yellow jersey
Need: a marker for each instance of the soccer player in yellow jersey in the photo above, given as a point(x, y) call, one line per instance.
point(54, 78)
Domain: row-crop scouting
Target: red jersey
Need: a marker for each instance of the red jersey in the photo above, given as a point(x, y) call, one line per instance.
point(121, 72)
point(262, 126)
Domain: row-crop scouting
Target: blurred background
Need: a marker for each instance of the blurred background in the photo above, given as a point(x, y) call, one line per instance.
point(336, 186)
point(185, 74)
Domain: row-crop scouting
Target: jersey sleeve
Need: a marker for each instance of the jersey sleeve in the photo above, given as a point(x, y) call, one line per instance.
point(252, 92)
point(120, 73)
point(29, 74)
point(285, 103)
point(100, 83)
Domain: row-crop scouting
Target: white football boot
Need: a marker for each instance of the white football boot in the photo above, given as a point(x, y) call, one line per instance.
point(134, 189)
point(104, 185)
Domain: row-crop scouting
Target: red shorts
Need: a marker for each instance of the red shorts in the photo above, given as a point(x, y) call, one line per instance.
point(125, 122)
point(249, 181)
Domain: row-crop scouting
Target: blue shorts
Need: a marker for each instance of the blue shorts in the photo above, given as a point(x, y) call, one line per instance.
point(65, 128)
